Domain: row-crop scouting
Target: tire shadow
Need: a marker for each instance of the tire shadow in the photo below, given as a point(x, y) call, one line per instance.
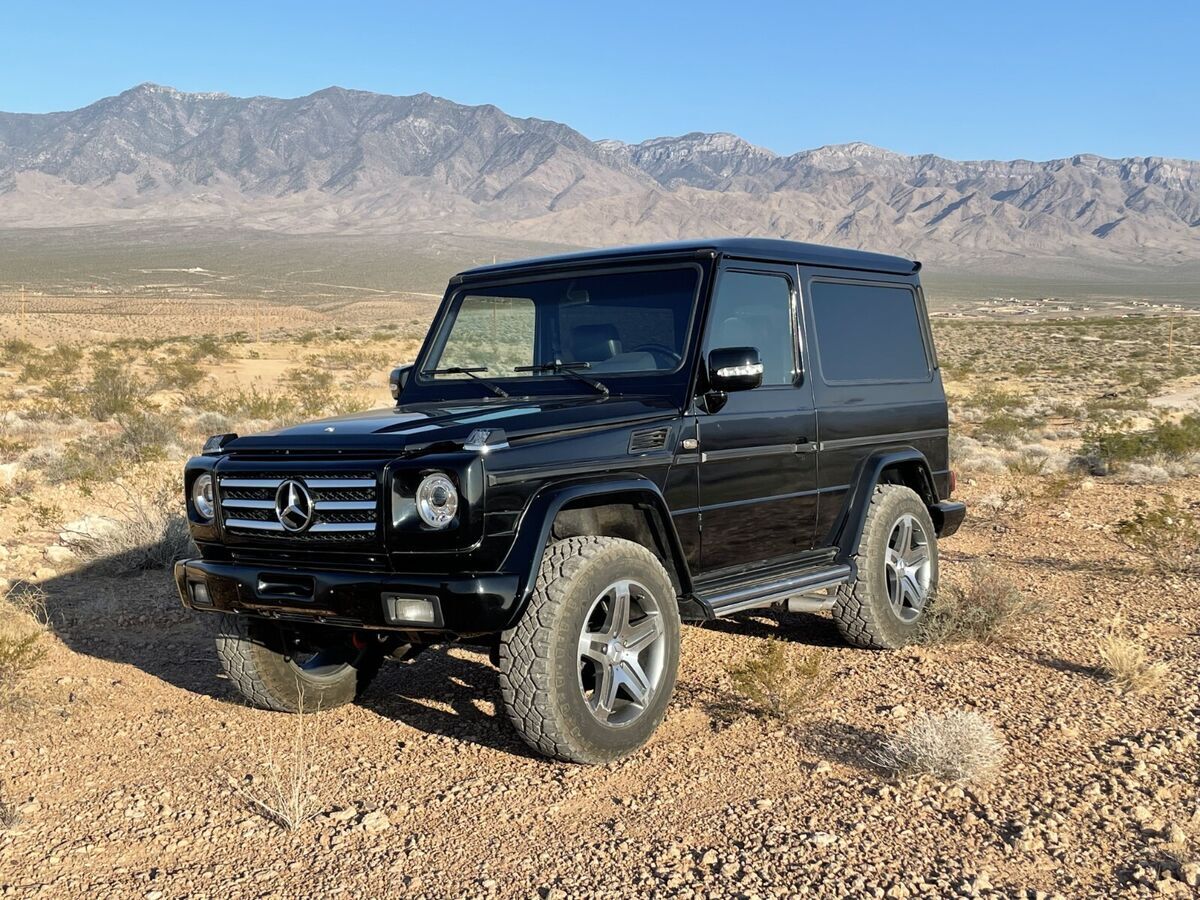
point(454, 695)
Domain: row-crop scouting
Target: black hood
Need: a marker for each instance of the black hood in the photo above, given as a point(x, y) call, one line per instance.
point(421, 425)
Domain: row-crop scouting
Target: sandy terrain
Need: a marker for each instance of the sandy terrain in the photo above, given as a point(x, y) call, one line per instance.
point(125, 754)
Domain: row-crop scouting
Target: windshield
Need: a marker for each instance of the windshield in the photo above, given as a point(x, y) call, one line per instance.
point(605, 324)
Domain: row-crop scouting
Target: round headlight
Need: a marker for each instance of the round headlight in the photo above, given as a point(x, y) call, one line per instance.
point(202, 497)
point(437, 500)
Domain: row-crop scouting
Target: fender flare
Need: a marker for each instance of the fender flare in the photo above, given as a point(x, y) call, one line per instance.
point(848, 528)
point(524, 557)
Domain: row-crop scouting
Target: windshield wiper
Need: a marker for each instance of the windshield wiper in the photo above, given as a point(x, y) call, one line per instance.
point(462, 370)
point(568, 369)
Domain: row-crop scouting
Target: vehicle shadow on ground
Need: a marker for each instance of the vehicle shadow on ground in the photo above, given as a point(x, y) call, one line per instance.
point(809, 629)
point(136, 619)
point(454, 695)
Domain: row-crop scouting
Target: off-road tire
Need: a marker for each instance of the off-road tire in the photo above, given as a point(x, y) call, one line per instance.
point(539, 662)
point(253, 654)
point(862, 612)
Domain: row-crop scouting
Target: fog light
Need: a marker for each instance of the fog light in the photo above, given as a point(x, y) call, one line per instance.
point(200, 594)
point(401, 610)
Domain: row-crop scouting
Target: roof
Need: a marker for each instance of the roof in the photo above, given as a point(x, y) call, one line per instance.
point(766, 249)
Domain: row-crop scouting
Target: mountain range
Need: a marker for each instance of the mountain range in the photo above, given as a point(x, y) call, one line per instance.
point(346, 162)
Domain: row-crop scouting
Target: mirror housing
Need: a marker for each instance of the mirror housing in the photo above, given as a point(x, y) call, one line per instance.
point(398, 379)
point(734, 369)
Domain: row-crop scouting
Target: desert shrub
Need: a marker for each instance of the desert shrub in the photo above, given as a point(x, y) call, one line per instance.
point(284, 792)
point(58, 362)
point(146, 436)
point(985, 607)
point(1168, 533)
point(22, 623)
point(1113, 444)
point(208, 347)
point(1125, 663)
point(957, 745)
point(16, 349)
point(9, 817)
point(177, 373)
point(112, 391)
point(779, 684)
point(253, 403)
point(147, 531)
point(312, 390)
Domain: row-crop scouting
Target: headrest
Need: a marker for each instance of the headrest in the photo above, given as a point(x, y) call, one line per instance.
point(595, 343)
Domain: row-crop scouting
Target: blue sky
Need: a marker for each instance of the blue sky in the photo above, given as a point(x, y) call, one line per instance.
point(963, 80)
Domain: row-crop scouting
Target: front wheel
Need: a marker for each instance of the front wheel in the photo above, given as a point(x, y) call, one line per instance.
point(587, 673)
point(897, 564)
point(289, 671)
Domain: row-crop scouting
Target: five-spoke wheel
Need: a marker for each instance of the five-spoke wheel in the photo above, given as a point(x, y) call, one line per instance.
point(621, 652)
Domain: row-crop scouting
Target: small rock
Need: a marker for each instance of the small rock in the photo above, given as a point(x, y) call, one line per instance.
point(44, 574)
point(823, 838)
point(709, 858)
point(822, 767)
point(343, 815)
point(899, 711)
point(59, 555)
point(764, 803)
point(375, 822)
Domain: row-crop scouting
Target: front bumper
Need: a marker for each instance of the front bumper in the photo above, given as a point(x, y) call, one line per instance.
point(466, 605)
point(947, 516)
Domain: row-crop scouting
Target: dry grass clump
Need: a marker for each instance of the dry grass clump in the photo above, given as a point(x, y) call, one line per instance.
point(985, 607)
point(957, 745)
point(780, 684)
point(284, 792)
point(22, 624)
point(148, 531)
point(9, 816)
point(1125, 663)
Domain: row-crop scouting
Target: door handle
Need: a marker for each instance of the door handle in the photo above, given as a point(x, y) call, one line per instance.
point(804, 445)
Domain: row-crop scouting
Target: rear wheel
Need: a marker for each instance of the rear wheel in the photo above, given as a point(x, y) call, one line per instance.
point(897, 564)
point(587, 673)
point(294, 671)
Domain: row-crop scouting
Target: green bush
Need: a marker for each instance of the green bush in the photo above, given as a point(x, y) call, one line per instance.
point(779, 685)
point(1112, 443)
point(1168, 533)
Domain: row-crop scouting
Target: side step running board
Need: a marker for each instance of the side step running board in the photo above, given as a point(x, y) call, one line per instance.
point(764, 594)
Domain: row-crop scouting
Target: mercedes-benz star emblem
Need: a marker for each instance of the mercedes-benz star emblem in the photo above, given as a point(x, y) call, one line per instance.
point(294, 506)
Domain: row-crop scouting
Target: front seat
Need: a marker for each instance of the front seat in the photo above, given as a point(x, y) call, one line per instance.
point(595, 343)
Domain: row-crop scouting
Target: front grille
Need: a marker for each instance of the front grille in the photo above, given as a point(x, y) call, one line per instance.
point(345, 506)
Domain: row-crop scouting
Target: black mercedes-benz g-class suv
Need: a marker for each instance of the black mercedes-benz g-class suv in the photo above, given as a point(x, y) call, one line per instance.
point(589, 449)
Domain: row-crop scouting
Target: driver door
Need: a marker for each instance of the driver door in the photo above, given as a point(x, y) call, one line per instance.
point(758, 471)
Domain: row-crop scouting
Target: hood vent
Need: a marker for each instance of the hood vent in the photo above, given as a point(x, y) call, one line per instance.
point(651, 439)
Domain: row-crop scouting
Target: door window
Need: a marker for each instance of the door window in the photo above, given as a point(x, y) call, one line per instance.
point(754, 309)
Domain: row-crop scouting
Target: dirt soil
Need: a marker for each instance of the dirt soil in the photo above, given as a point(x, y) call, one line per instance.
point(122, 755)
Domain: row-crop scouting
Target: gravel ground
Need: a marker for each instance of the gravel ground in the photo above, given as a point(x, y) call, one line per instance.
point(122, 755)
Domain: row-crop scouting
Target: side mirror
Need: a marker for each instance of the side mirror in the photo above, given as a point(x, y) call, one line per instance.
point(734, 369)
point(398, 379)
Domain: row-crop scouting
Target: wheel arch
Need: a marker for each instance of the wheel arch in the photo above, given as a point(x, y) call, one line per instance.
point(595, 506)
point(905, 466)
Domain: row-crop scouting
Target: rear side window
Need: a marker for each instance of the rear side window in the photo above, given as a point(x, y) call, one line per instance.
point(868, 332)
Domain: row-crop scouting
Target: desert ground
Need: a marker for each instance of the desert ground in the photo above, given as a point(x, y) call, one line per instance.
point(1068, 640)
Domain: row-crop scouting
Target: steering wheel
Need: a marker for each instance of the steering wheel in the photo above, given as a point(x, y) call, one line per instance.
point(658, 350)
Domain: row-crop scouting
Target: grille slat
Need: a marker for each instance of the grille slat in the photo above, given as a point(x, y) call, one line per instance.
point(345, 506)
